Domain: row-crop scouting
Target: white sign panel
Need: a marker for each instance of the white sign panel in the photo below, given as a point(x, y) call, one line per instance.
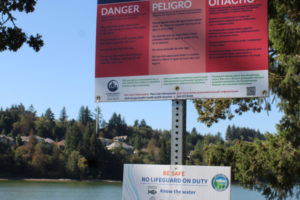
point(183, 86)
point(170, 182)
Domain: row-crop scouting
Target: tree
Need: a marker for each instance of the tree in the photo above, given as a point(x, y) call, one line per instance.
point(6, 159)
point(193, 137)
point(143, 123)
point(247, 134)
point(49, 115)
point(76, 165)
point(24, 125)
point(85, 115)
point(94, 152)
point(103, 123)
point(63, 115)
point(284, 81)
point(116, 126)
point(73, 138)
point(61, 125)
point(165, 150)
point(41, 159)
point(136, 124)
point(11, 36)
point(44, 127)
point(115, 120)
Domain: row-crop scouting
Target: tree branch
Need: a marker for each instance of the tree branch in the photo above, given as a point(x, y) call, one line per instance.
point(4, 21)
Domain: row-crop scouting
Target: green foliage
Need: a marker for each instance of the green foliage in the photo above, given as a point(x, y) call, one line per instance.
point(73, 138)
point(24, 125)
point(63, 115)
point(85, 115)
point(264, 165)
point(246, 134)
point(6, 158)
point(270, 166)
point(212, 110)
point(115, 127)
point(44, 127)
point(72, 164)
point(11, 36)
point(17, 120)
point(199, 147)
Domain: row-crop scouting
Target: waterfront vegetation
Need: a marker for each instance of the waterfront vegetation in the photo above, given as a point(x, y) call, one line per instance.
point(77, 152)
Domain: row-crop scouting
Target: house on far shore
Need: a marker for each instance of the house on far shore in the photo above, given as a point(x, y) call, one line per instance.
point(144, 150)
point(105, 141)
point(25, 139)
point(7, 140)
point(120, 138)
point(129, 149)
point(49, 142)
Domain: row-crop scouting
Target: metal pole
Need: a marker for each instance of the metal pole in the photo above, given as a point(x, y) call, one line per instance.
point(178, 133)
point(97, 114)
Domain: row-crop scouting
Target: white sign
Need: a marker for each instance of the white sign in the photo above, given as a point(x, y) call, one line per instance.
point(170, 182)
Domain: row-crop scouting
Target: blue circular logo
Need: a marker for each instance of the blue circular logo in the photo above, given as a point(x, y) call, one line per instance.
point(113, 85)
point(220, 182)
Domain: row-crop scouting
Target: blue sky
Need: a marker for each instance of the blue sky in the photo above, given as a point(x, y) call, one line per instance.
point(62, 73)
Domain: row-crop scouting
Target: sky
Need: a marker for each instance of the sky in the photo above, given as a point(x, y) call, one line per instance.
point(62, 73)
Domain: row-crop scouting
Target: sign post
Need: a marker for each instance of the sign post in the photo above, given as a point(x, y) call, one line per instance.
point(97, 114)
point(178, 132)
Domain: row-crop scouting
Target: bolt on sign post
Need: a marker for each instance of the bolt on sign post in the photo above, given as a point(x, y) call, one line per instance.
point(178, 50)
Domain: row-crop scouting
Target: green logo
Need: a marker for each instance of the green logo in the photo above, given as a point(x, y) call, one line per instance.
point(220, 182)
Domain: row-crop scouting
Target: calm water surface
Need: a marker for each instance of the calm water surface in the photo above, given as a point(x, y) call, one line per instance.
point(20, 190)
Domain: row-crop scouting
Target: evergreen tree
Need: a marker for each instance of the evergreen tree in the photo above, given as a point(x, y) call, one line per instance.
point(228, 134)
point(85, 115)
point(88, 115)
point(103, 124)
point(44, 127)
point(136, 124)
point(73, 140)
point(49, 115)
point(81, 117)
point(247, 134)
point(63, 115)
point(143, 123)
point(116, 126)
point(72, 164)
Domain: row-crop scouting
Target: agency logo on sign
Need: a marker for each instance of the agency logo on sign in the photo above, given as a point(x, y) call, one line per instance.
point(220, 182)
point(113, 85)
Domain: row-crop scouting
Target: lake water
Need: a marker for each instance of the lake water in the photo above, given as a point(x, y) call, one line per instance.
point(20, 190)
